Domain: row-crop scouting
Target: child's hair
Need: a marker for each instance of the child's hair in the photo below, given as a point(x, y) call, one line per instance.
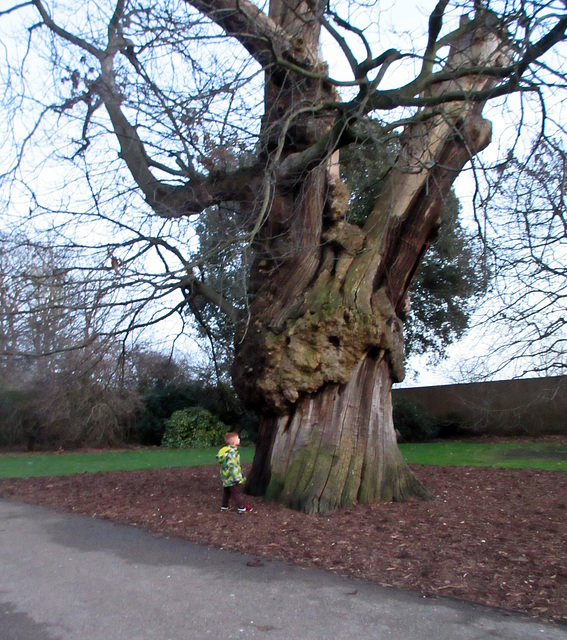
point(229, 436)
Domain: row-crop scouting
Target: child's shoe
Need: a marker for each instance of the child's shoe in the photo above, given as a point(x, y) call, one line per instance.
point(224, 509)
point(244, 509)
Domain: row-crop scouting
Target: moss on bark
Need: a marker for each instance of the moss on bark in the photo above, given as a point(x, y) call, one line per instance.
point(339, 447)
point(320, 347)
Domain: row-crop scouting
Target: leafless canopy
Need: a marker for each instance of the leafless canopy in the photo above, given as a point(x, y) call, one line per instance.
point(125, 121)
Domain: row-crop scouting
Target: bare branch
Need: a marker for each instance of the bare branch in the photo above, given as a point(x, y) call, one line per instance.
point(256, 31)
point(66, 35)
point(196, 287)
point(16, 7)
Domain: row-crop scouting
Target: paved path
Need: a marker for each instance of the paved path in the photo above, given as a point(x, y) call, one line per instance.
point(66, 577)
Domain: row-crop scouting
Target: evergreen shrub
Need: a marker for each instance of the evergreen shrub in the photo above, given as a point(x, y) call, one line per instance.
point(412, 421)
point(193, 428)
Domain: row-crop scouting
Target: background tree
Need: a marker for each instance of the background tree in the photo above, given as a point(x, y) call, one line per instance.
point(227, 271)
point(319, 341)
point(524, 230)
point(61, 382)
point(448, 288)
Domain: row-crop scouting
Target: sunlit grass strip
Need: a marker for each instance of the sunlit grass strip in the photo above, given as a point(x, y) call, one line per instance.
point(26, 466)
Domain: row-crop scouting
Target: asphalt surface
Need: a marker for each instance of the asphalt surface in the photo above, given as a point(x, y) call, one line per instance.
point(67, 577)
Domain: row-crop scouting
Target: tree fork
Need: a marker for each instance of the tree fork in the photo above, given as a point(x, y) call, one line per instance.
point(320, 361)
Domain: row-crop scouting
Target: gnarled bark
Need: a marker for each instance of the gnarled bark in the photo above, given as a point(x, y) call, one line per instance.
point(323, 341)
point(338, 447)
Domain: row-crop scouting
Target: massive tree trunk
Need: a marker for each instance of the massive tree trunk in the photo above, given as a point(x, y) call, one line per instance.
point(339, 446)
point(324, 342)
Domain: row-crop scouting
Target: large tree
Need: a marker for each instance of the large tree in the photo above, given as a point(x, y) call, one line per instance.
point(230, 104)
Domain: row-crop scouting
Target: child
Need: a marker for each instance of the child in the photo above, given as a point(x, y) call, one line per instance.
point(231, 473)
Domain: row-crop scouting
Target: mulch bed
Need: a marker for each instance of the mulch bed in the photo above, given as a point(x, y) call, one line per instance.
point(493, 536)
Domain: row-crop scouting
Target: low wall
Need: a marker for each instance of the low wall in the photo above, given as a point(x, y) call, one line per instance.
point(534, 407)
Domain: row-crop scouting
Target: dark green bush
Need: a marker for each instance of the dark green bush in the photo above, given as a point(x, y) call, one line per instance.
point(247, 427)
point(412, 422)
point(13, 407)
point(192, 428)
point(159, 403)
point(452, 426)
point(162, 400)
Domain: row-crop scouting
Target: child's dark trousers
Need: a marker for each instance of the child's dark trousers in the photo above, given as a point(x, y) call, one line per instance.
point(234, 492)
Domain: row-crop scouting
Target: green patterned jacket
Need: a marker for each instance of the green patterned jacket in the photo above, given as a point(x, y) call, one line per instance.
point(231, 471)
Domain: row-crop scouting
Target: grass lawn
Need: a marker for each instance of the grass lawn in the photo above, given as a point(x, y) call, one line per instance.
point(26, 466)
point(550, 456)
point(535, 455)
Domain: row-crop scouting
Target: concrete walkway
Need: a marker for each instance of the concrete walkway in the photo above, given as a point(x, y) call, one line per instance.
point(66, 577)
